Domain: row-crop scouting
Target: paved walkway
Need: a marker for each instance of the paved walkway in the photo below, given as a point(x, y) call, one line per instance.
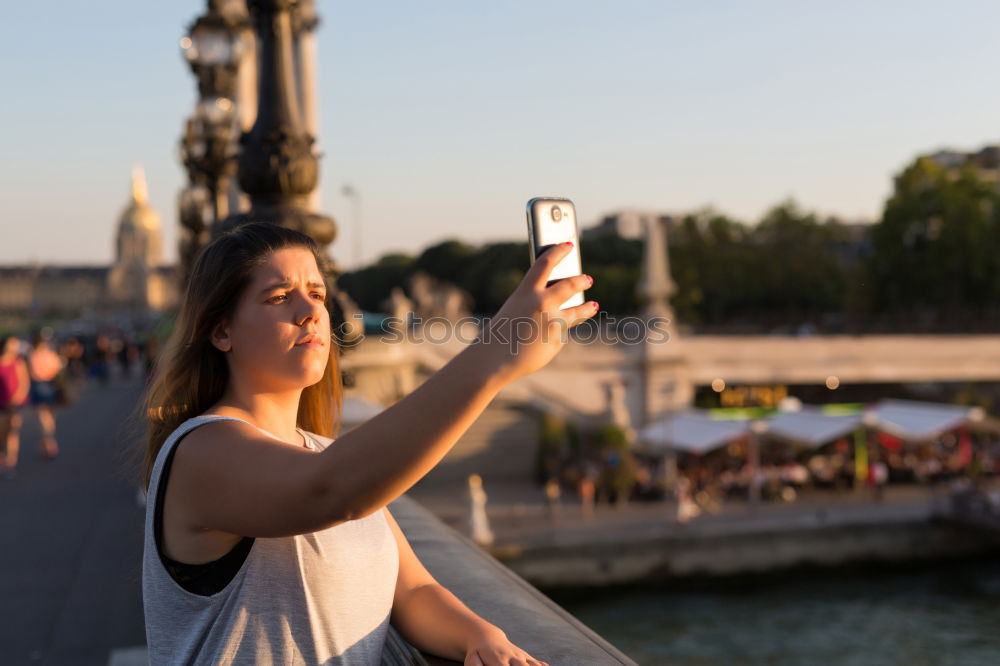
point(72, 541)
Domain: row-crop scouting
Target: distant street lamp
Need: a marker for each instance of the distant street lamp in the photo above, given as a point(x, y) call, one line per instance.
point(213, 49)
point(208, 149)
point(351, 193)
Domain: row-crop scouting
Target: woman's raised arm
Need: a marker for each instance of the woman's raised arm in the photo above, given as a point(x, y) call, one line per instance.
point(267, 490)
point(380, 460)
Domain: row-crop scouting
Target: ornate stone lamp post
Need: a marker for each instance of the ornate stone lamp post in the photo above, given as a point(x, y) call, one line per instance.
point(277, 165)
point(213, 49)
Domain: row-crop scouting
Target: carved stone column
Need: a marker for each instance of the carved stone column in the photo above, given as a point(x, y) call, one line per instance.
point(277, 166)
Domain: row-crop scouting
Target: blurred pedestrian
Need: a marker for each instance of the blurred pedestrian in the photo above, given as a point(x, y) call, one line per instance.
point(879, 473)
point(686, 506)
point(14, 387)
point(552, 494)
point(44, 368)
point(101, 368)
point(586, 489)
point(76, 370)
point(128, 354)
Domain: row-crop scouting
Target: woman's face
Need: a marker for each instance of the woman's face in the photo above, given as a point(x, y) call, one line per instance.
point(279, 336)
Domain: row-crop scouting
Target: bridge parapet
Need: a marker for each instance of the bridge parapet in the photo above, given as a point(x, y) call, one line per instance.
point(530, 619)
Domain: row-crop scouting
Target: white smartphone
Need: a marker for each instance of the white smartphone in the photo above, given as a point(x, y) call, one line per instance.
point(552, 220)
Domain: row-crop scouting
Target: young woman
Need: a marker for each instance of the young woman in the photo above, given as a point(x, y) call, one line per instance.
point(14, 386)
point(267, 542)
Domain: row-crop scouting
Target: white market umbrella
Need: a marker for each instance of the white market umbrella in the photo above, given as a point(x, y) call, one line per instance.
point(920, 421)
point(811, 427)
point(693, 432)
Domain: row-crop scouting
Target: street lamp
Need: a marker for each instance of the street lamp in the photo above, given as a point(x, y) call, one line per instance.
point(277, 165)
point(208, 150)
point(352, 193)
point(195, 210)
point(213, 49)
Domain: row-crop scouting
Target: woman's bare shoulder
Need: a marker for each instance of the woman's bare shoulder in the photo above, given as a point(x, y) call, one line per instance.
point(223, 434)
point(239, 480)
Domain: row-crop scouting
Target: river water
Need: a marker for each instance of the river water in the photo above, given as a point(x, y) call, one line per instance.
point(939, 614)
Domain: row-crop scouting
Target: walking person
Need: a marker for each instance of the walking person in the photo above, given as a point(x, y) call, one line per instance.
point(76, 371)
point(44, 366)
point(14, 387)
point(266, 540)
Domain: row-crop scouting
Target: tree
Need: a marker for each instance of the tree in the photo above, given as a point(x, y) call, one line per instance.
point(614, 264)
point(371, 285)
point(551, 444)
point(711, 263)
point(621, 468)
point(935, 250)
point(492, 274)
point(447, 260)
point(796, 269)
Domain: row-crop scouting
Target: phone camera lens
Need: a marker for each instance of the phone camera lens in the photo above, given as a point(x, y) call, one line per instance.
point(556, 213)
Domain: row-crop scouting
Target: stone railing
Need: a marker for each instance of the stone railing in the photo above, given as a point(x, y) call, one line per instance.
point(531, 620)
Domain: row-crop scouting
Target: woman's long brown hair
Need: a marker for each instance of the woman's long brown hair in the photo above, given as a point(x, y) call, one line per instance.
point(191, 374)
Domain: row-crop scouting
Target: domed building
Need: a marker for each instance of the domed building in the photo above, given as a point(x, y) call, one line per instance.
point(133, 280)
point(136, 283)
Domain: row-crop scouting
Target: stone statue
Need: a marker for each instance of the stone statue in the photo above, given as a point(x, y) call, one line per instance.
point(479, 523)
point(434, 298)
point(400, 307)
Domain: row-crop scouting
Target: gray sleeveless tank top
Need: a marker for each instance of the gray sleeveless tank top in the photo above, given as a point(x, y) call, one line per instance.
point(318, 598)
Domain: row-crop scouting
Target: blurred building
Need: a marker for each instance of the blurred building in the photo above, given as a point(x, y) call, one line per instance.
point(138, 279)
point(137, 282)
point(986, 161)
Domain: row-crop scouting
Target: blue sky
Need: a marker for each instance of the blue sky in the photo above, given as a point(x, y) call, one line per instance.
point(447, 116)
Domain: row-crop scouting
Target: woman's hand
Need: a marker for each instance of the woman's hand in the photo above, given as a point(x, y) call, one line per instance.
point(530, 329)
point(489, 647)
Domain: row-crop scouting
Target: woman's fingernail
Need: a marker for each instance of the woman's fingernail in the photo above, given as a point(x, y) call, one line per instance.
point(590, 279)
point(596, 305)
point(570, 243)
